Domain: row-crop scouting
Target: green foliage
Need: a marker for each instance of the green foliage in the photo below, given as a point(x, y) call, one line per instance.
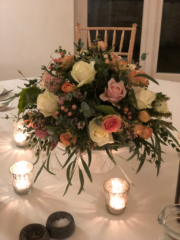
point(143, 56)
point(87, 110)
point(28, 97)
point(148, 77)
point(88, 106)
point(106, 109)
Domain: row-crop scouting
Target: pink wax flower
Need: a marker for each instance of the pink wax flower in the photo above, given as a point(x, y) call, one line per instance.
point(115, 92)
point(41, 134)
point(111, 123)
point(53, 145)
point(81, 125)
point(50, 82)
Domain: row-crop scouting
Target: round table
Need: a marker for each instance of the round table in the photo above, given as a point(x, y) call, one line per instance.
point(146, 199)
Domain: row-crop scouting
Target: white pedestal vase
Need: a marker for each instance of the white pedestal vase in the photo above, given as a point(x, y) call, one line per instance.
point(100, 162)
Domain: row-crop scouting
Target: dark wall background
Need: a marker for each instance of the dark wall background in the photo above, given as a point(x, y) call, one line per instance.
point(117, 13)
point(123, 13)
point(169, 51)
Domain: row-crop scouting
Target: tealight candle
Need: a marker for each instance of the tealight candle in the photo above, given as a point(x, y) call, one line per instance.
point(116, 195)
point(22, 177)
point(19, 136)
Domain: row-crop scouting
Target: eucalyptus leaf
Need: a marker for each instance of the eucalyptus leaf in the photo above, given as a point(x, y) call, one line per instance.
point(81, 177)
point(148, 77)
point(41, 168)
point(143, 56)
point(86, 169)
point(28, 96)
point(106, 109)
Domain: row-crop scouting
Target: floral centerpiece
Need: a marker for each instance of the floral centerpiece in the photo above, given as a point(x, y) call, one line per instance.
point(94, 100)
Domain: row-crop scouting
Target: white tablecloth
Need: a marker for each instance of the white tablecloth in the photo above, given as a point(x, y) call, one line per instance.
point(146, 200)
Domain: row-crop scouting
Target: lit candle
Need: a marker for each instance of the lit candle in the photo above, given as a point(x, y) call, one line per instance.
point(116, 194)
point(19, 135)
point(22, 177)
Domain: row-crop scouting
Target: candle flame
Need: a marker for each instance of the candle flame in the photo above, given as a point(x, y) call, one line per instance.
point(20, 137)
point(117, 201)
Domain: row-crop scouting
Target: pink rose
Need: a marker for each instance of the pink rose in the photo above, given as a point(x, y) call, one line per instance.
point(111, 123)
point(144, 116)
point(146, 133)
point(64, 137)
point(115, 92)
point(144, 81)
point(50, 82)
point(102, 45)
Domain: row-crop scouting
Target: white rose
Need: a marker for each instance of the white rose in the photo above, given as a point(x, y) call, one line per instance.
point(131, 66)
point(161, 107)
point(98, 135)
point(83, 73)
point(47, 103)
point(144, 97)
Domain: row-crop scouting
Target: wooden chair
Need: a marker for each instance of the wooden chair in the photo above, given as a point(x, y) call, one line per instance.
point(129, 54)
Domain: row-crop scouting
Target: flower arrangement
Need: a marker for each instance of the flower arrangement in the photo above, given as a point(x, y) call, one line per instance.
point(94, 100)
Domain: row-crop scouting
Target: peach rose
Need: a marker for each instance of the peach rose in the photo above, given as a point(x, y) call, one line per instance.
point(102, 45)
point(123, 65)
point(29, 121)
point(131, 77)
point(111, 123)
point(67, 87)
point(64, 137)
point(144, 81)
point(67, 62)
point(144, 116)
point(115, 92)
point(115, 60)
point(147, 132)
point(138, 128)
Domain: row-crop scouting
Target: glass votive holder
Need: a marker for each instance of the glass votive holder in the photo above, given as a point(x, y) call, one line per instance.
point(116, 195)
point(20, 135)
point(22, 177)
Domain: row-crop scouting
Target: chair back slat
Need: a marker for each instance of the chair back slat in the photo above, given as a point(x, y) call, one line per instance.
point(78, 33)
point(129, 54)
point(121, 42)
point(89, 38)
point(105, 36)
point(132, 41)
point(97, 33)
point(114, 39)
